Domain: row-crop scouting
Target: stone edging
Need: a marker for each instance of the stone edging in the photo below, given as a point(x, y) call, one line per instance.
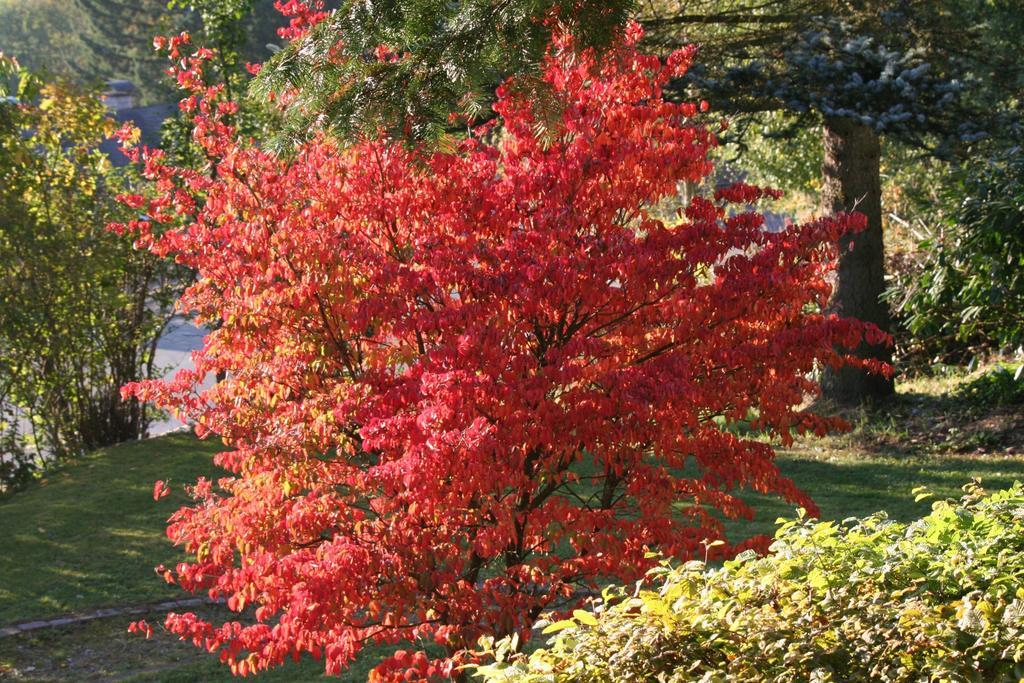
point(129, 610)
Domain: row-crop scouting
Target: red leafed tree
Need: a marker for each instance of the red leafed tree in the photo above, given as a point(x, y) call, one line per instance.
point(464, 386)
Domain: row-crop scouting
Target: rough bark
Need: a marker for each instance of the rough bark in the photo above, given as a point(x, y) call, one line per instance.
point(852, 182)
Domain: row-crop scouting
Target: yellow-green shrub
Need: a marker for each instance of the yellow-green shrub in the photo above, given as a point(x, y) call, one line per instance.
point(941, 599)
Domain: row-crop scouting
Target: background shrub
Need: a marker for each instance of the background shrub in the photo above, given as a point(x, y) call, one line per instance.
point(80, 308)
point(1003, 385)
point(967, 292)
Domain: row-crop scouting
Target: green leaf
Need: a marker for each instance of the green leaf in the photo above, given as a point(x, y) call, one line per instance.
point(585, 617)
point(559, 626)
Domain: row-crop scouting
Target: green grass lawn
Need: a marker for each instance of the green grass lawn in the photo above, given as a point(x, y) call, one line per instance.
point(850, 486)
point(90, 534)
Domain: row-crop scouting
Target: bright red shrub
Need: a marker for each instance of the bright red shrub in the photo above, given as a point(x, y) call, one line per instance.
point(464, 385)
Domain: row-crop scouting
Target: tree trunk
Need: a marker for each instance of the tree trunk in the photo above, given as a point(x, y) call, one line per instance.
point(852, 182)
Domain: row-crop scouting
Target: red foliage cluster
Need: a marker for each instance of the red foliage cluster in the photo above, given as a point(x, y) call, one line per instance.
point(302, 15)
point(463, 385)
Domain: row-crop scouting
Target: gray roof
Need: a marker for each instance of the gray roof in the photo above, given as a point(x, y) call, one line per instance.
point(149, 120)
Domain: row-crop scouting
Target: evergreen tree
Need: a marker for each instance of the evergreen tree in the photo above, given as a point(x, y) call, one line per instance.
point(407, 66)
point(861, 69)
point(119, 35)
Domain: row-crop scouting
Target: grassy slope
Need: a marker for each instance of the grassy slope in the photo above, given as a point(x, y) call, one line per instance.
point(90, 534)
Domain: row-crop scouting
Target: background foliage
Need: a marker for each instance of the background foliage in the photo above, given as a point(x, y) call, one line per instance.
point(92, 41)
point(965, 293)
point(80, 309)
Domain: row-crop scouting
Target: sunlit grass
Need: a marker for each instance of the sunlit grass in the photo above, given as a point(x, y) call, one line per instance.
point(90, 533)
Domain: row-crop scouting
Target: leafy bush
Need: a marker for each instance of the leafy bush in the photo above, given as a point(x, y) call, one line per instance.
point(862, 600)
point(462, 384)
point(968, 290)
point(1000, 386)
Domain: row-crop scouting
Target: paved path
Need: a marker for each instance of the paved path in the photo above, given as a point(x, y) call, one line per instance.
point(127, 610)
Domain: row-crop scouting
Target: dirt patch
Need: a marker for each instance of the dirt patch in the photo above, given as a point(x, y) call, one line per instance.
point(926, 424)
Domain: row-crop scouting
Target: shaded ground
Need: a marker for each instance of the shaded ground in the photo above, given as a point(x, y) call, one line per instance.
point(104, 651)
point(979, 414)
point(90, 534)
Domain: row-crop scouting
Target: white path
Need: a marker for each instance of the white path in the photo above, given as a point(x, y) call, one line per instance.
point(173, 353)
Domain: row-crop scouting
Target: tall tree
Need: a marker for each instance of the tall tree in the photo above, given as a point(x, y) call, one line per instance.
point(119, 35)
point(862, 69)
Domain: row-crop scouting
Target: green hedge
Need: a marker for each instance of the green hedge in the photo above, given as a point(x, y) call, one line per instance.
point(941, 599)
